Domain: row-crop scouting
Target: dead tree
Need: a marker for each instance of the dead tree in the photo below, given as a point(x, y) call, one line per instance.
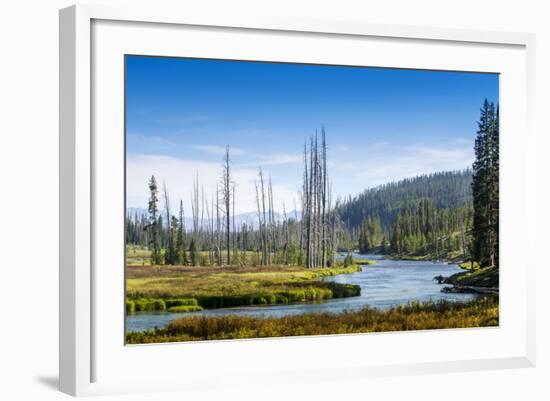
point(195, 207)
point(233, 243)
point(265, 245)
point(315, 204)
point(226, 197)
point(324, 199)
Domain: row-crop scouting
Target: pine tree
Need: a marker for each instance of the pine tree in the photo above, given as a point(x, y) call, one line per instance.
point(181, 252)
point(485, 189)
point(154, 226)
point(364, 238)
point(193, 253)
point(226, 196)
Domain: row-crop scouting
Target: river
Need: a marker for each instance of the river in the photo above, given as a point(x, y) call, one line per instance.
point(383, 285)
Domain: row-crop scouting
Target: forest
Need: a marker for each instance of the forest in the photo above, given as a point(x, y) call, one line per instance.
point(450, 215)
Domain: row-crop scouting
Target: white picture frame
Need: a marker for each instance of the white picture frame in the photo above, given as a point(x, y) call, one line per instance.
point(81, 214)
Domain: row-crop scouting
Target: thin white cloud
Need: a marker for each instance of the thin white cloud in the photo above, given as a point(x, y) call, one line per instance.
point(219, 150)
point(349, 174)
point(372, 168)
point(276, 159)
point(149, 140)
point(178, 175)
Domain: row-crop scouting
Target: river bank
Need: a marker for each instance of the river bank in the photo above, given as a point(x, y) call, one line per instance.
point(483, 280)
point(413, 316)
point(472, 280)
point(382, 285)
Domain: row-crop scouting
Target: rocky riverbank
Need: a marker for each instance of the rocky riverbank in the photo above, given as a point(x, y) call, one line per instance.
point(480, 281)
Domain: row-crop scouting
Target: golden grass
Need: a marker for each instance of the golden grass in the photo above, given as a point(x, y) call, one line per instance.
point(416, 316)
point(218, 287)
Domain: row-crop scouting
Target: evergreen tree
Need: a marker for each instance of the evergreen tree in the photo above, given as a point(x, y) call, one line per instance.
point(193, 253)
point(364, 238)
point(154, 226)
point(485, 189)
point(181, 252)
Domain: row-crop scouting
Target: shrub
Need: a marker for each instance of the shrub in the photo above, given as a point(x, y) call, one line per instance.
point(180, 302)
point(184, 308)
point(149, 305)
point(159, 304)
point(468, 265)
point(281, 299)
point(344, 290)
point(130, 306)
point(296, 296)
point(271, 298)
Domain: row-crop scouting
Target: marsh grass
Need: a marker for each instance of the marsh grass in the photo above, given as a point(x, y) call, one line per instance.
point(363, 261)
point(185, 308)
point(414, 316)
point(158, 304)
point(219, 287)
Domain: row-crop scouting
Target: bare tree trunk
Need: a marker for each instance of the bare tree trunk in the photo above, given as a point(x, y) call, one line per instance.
point(169, 236)
point(208, 228)
point(212, 231)
point(234, 231)
point(317, 203)
point(272, 223)
point(218, 228)
point(195, 206)
point(324, 200)
point(265, 239)
point(201, 226)
point(304, 225)
point(226, 194)
point(259, 217)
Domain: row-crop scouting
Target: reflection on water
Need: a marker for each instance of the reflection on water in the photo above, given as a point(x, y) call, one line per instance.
point(388, 283)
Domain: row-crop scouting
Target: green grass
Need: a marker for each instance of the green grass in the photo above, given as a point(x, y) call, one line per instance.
point(159, 304)
point(487, 277)
point(219, 287)
point(468, 265)
point(363, 261)
point(185, 308)
point(415, 316)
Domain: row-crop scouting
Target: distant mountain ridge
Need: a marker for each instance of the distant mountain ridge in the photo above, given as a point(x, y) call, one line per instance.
point(250, 218)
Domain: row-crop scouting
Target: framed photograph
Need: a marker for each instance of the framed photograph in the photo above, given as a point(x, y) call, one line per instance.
point(271, 199)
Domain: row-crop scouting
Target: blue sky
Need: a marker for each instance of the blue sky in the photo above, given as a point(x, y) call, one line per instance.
point(381, 124)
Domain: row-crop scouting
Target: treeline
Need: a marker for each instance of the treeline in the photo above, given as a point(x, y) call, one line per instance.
point(378, 215)
point(425, 229)
point(446, 189)
point(420, 229)
point(216, 239)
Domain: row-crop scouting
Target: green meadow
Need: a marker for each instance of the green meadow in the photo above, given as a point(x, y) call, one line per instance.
point(155, 288)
